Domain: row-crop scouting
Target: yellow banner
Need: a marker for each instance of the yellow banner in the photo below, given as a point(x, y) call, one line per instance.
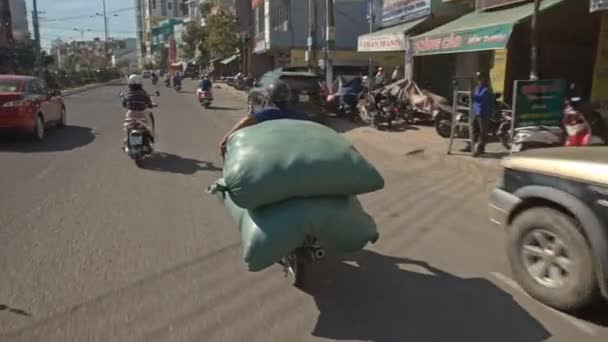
point(499, 71)
point(599, 93)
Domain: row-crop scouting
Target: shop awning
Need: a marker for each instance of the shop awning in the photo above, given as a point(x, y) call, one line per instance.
point(388, 39)
point(476, 31)
point(229, 59)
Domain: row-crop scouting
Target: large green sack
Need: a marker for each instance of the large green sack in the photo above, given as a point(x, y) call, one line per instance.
point(282, 159)
point(271, 232)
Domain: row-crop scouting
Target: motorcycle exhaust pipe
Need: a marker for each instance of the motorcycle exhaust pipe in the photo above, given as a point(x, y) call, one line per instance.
point(318, 254)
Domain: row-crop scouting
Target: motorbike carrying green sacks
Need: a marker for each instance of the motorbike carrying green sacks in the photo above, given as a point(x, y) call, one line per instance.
point(271, 232)
point(282, 159)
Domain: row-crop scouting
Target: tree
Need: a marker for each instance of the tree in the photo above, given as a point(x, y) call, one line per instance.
point(192, 38)
point(163, 61)
point(222, 34)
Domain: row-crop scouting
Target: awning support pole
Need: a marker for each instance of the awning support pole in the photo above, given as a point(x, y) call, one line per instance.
point(372, 19)
point(534, 42)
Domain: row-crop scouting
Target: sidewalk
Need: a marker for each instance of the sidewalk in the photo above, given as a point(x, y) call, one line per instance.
point(407, 145)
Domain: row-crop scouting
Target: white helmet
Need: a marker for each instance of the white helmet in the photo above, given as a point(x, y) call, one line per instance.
point(134, 80)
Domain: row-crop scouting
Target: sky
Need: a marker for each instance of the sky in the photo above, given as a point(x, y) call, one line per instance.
point(60, 18)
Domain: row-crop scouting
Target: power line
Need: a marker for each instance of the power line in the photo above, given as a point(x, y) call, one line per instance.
point(55, 28)
point(47, 20)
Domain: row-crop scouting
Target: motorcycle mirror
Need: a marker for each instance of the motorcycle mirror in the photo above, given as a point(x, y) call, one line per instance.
point(122, 95)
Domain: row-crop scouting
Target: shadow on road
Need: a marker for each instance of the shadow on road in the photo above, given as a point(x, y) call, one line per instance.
point(225, 108)
point(15, 311)
point(167, 162)
point(67, 138)
point(379, 301)
point(341, 125)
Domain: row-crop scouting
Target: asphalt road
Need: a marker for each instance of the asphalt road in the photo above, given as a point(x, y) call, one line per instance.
point(94, 249)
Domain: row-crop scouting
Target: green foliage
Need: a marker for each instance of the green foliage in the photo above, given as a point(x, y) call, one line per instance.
point(222, 38)
point(163, 61)
point(217, 38)
point(193, 36)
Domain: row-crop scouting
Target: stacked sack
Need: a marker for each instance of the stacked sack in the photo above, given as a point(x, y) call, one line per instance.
point(286, 179)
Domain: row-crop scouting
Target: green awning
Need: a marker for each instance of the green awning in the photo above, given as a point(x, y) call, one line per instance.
point(389, 39)
point(476, 31)
point(229, 59)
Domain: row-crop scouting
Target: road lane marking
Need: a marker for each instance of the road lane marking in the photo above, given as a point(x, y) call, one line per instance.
point(578, 323)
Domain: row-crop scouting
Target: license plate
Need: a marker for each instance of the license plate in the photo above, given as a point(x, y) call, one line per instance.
point(304, 98)
point(135, 140)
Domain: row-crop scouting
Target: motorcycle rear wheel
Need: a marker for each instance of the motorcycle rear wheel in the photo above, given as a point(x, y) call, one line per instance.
point(443, 125)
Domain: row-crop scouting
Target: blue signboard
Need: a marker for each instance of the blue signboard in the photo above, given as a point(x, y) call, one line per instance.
point(396, 11)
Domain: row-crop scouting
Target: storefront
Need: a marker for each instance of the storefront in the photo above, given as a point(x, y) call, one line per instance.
point(495, 39)
point(599, 91)
point(401, 19)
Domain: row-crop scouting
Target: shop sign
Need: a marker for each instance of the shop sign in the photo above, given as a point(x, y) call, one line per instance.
point(382, 43)
point(486, 4)
point(599, 5)
point(487, 38)
point(396, 11)
point(538, 103)
point(499, 71)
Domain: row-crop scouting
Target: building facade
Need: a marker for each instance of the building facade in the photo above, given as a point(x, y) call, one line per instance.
point(280, 30)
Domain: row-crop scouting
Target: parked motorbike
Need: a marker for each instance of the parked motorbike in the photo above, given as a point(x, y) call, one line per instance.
point(178, 87)
point(443, 119)
point(376, 107)
point(584, 126)
point(204, 97)
point(296, 264)
point(154, 80)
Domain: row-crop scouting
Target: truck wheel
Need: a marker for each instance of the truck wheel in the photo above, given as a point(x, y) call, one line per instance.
point(551, 259)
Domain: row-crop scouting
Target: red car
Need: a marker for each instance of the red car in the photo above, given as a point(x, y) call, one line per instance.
point(27, 105)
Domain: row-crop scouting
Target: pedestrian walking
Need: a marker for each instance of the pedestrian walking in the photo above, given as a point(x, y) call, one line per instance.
point(483, 105)
point(380, 77)
point(395, 75)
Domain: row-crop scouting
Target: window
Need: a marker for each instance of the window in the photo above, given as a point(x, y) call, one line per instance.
point(169, 5)
point(259, 20)
point(36, 87)
point(280, 15)
point(153, 4)
point(9, 86)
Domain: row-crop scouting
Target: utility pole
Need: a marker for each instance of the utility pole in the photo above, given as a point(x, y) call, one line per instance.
point(36, 26)
point(330, 36)
point(312, 33)
point(105, 28)
point(372, 21)
point(534, 42)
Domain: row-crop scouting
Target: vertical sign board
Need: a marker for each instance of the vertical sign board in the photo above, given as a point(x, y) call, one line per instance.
point(538, 103)
point(499, 71)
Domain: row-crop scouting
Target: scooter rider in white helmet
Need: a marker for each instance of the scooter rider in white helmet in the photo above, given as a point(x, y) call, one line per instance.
point(137, 102)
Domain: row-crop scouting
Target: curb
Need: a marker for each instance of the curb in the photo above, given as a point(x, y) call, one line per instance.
point(74, 91)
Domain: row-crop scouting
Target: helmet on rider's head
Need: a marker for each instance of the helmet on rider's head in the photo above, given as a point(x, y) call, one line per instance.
point(279, 91)
point(134, 80)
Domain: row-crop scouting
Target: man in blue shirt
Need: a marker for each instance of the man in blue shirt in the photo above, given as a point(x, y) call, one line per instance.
point(483, 106)
point(205, 84)
point(279, 94)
